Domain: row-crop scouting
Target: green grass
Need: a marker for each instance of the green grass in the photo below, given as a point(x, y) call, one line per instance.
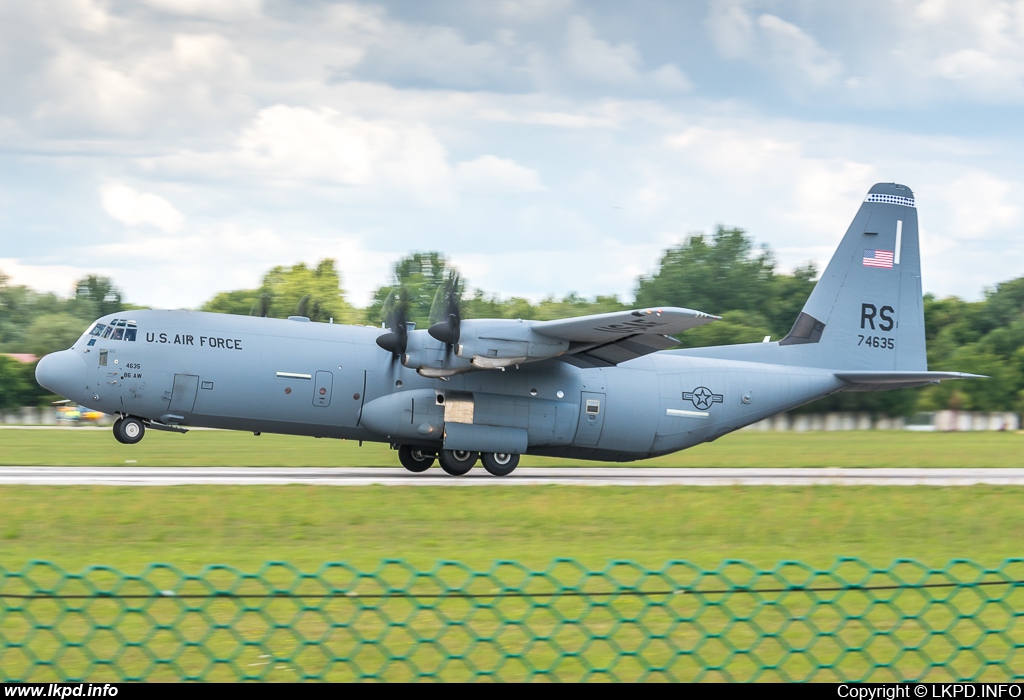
point(743, 449)
point(245, 526)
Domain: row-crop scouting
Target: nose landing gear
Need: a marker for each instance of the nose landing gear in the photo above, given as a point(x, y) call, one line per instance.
point(129, 430)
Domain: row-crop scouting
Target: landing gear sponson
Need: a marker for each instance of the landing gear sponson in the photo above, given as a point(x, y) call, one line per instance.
point(457, 462)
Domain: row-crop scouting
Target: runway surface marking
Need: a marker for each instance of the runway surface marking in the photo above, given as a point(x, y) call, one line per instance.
point(582, 476)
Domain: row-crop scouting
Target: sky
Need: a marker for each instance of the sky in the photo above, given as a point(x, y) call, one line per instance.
point(184, 147)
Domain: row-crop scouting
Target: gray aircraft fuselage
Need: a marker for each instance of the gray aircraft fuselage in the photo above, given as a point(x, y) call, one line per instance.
point(595, 387)
point(300, 378)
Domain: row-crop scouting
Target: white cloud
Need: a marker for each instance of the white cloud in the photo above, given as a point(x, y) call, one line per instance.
point(182, 78)
point(530, 10)
point(492, 175)
point(598, 61)
point(223, 10)
point(133, 208)
point(92, 92)
point(794, 50)
point(771, 42)
point(981, 205)
point(57, 279)
point(731, 27)
point(299, 143)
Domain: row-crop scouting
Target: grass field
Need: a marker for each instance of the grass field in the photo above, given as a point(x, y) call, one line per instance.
point(246, 526)
point(866, 449)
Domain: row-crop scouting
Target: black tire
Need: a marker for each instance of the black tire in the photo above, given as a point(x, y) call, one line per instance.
point(499, 463)
point(130, 430)
point(457, 462)
point(414, 459)
point(117, 430)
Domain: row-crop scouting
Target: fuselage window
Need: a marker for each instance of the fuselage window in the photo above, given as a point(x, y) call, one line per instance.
point(103, 358)
point(593, 406)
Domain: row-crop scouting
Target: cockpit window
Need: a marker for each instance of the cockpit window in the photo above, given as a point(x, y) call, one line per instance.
point(117, 329)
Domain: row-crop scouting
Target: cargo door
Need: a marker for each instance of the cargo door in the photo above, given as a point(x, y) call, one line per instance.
point(322, 389)
point(588, 430)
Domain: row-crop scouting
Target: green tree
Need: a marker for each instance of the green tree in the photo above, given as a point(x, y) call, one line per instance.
point(96, 296)
point(789, 293)
point(725, 273)
point(420, 275)
point(735, 327)
point(292, 291)
point(53, 332)
point(241, 302)
point(13, 386)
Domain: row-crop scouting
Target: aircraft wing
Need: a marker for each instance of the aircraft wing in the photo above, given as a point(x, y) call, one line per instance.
point(602, 340)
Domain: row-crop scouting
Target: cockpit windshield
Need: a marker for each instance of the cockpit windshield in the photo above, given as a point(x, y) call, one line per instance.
point(117, 329)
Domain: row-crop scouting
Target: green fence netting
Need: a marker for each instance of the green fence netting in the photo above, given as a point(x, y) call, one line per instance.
point(850, 622)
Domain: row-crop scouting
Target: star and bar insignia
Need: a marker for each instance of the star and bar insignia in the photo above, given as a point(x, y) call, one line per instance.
point(702, 397)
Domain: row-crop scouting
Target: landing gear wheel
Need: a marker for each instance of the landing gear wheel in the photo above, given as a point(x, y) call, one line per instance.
point(129, 430)
point(117, 430)
point(457, 462)
point(414, 459)
point(499, 463)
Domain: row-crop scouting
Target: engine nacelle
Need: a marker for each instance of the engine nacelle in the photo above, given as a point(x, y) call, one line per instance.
point(503, 343)
point(432, 358)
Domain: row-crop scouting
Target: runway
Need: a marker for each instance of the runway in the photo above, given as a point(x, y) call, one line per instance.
point(583, 476)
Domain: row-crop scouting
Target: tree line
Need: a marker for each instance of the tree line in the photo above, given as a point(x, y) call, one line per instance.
point(724, 273)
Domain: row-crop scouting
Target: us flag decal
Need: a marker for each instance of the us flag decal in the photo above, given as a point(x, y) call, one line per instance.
point(878, 258)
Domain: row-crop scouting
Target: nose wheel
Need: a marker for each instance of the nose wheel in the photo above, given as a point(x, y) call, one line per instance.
point(128, 430)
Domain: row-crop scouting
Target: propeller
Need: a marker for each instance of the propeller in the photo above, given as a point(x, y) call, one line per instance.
point(445, 312)
point(396, 315)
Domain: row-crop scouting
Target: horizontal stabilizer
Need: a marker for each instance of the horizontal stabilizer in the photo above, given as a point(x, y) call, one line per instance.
point(868, 380)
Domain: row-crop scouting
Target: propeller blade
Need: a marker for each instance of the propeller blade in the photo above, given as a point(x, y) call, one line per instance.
point(446, 312)
point(396, 317)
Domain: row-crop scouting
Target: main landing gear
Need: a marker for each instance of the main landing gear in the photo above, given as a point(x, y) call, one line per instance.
point(128, 430)
point(414, 459)
point(457, 462)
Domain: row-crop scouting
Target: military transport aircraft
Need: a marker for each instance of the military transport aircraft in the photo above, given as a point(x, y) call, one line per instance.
point(602, 387)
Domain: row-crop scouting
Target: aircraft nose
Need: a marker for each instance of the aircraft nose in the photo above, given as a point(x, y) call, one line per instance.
point(62, 373)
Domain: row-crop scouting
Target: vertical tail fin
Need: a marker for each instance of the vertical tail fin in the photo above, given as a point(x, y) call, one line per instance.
point(866, 311)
